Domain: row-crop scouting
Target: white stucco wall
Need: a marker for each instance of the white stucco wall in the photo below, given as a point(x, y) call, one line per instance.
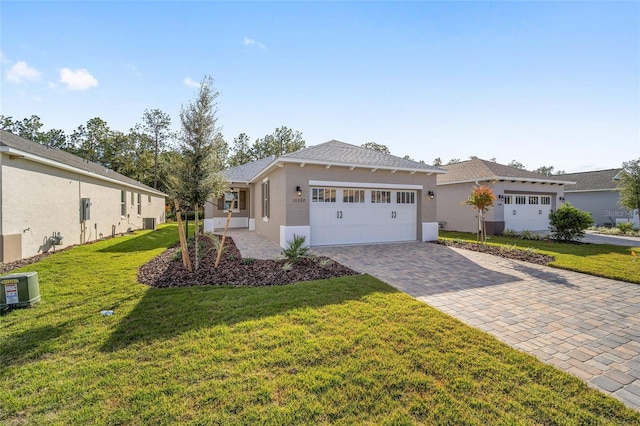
point(38, 200)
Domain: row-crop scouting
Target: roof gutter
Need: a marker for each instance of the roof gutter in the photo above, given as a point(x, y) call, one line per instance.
point(37, 159)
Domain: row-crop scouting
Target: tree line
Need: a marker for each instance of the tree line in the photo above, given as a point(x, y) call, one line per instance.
point(150, 152)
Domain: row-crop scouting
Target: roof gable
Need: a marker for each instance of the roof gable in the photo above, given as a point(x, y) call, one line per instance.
point(18, 145)
point(478, 170)
point(597, 180)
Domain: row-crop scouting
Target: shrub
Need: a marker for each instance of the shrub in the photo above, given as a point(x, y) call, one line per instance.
point(569, 223)
point(509, 233)
point(625, 227)
point(296, 248)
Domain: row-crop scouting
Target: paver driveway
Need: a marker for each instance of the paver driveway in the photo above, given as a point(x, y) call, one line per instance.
point(585, 325)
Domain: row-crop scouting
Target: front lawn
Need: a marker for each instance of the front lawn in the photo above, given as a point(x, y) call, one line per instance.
point(349, 350)
point(604, 260)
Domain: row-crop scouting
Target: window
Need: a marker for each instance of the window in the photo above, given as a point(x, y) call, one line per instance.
point(508, 199)
point(533, 199)
point(227, 204)
point(123, 203)
point(132, 198)
point(406, 197)
point(265, 200)
point(323, 195)
point(139, 203)
point(546, 200)
point(149, 199)
point(521, 199)
point(381, 197)
point(353, 196)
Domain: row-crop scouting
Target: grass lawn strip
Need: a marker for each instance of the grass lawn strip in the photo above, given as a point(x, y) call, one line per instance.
point(604, 260)
point(349, 350)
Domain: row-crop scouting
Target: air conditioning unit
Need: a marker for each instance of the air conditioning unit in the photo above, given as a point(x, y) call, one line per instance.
point(19, 290)
point(149, 223)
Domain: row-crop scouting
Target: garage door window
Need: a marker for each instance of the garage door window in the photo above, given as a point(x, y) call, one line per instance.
point(508, 199)
point(405, 197)
point(545, 200)
point(533, 199)
point(323, 195)
point(382, 197)
point(353, 196)
point(521, 199)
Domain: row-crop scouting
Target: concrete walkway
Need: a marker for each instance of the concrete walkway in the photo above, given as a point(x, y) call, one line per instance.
point(618, 240)
point(253, 245)
point(585, 325)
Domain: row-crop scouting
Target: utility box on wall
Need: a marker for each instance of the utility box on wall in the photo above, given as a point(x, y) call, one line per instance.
point(85, 209)
point(19, 290)
point(149, 223)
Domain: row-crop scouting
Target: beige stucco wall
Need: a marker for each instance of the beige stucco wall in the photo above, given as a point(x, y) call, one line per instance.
point(38, 200)
point(291, 210)
point(459, 217)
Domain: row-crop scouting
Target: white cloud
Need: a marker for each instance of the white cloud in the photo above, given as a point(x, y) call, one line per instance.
point(79, 79)
point(249, 42)
point(21, 72)
point(189, 82)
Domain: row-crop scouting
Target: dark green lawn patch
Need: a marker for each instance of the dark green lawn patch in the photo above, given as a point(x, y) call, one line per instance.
point(603, 260)
point(349, 350)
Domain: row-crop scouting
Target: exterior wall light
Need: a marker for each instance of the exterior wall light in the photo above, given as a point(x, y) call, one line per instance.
point(501, 196)
point(561, 199)
point(431, 194)
point(299, 191)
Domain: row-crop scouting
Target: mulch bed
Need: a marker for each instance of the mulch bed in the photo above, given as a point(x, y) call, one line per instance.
point(508, 253)
point(166, 270)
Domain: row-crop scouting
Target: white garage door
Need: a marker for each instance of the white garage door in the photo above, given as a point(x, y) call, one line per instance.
point(353, 215)
point(527, 212)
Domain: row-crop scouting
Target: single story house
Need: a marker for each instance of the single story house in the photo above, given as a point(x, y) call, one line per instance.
point(597, 192)
point(524, 199)
point(49, 197)
point(332, 193)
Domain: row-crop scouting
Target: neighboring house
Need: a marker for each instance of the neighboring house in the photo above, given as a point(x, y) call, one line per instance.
point(597, 192)
point(46, 193)
point(523, 199)
point(332, 193)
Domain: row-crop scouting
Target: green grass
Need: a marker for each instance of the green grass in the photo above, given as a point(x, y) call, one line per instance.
point(603, 260)
point(342, 351)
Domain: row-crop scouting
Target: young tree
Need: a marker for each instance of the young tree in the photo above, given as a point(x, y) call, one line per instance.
point(282, 141)
point(568, 223)
point(481, 199)
point(199, 180)
point(376, 147)
point(157, 124)
point(629, 184)
point(437, 162)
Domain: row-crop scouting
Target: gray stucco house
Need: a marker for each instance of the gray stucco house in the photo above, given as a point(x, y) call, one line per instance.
point(50, 196)
point(524, 198)
point(597, 192)
point(332, 193)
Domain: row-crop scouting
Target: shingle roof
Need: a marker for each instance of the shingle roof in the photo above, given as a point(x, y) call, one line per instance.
point(332, 152)
point(477, 169)
point(246, 172)
point(592, 181)
point(337, 152)
point(23, 145)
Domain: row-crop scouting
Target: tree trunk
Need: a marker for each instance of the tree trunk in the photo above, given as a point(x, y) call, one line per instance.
point(155, 165)
point(196, 236)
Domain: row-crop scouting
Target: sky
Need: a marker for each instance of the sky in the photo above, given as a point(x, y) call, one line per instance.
point(543, 83)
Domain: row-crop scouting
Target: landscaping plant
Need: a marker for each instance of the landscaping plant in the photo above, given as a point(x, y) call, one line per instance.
point(568, 223)
point(481, 199)
point(296, 248)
